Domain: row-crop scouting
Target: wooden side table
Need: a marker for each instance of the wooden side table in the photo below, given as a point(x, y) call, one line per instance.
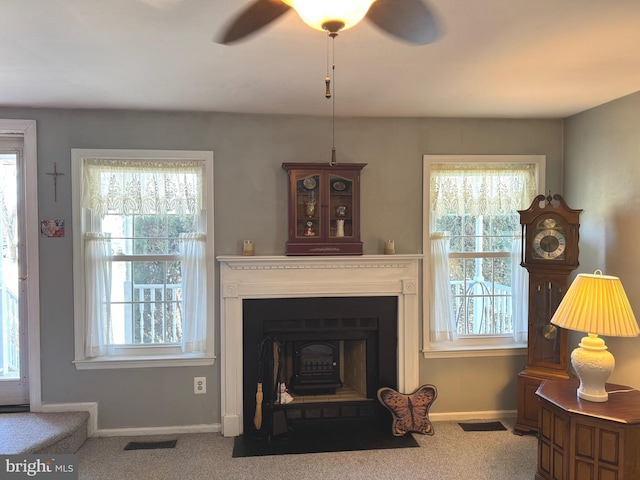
point(582, 440)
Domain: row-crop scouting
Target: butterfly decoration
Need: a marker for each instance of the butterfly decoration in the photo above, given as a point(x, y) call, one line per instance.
point(410, 412)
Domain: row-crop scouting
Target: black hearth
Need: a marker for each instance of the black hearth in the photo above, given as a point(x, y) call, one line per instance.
point(333, 353)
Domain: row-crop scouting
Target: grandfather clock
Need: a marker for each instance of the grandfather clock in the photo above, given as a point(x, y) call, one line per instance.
point(550, 234)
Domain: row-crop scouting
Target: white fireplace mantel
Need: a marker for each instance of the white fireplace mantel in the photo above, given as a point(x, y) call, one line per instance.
point(245, 277)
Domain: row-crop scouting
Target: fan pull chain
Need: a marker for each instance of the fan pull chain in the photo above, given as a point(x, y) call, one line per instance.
point(327, 79)
point(333, 36)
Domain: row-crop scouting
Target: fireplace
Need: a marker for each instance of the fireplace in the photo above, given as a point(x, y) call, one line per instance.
point(333, 353)
point(308, 282)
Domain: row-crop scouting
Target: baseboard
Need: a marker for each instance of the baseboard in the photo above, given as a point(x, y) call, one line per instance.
point(482, 415)
point(133, 432)
point(216, 427)
point(91, 407)
point(93, 431)
point(92, 425)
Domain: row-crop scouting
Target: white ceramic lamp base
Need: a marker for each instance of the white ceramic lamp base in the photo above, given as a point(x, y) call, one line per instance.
point(593, 364)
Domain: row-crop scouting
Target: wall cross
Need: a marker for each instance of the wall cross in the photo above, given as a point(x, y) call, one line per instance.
point(55, 175)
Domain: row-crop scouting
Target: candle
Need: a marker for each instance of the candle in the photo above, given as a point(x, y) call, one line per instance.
point(389, 247)
point(247, 248)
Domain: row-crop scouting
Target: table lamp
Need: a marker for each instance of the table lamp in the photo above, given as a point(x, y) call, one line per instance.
point(598, 305)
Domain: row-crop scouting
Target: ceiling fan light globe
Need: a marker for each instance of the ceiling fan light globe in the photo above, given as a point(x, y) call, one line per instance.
point(318, 13)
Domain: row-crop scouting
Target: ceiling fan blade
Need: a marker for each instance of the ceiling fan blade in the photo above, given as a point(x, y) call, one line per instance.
point(409, 20)
point(256, 16)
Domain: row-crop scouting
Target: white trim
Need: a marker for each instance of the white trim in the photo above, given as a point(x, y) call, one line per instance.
point(134, 432)
point(458, 350)
point(27, 128)
point(144, 361)
point(475, 351)
point(94, 431)
point(101, 363)
point(91, 407)
point(480, 415)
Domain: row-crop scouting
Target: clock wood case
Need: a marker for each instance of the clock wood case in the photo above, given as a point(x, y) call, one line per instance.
point(550, 235)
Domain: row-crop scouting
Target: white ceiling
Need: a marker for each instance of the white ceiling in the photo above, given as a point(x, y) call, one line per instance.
point(497, 58)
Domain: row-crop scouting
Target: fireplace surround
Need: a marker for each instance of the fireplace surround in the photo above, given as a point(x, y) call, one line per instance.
point(259, 277)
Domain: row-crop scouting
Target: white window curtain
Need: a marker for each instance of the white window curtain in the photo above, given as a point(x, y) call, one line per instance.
point(481, 189)
point(98, 334)
point(121, 186)
point(519, 292)
point(443, 327)
point(194, 292)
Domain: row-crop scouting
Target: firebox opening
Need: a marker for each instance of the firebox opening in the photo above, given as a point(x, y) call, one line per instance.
point(332, 353)
point(326, 370)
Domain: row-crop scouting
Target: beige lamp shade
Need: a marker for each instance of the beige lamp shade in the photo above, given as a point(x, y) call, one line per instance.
point(597, 303)
point(317, 13)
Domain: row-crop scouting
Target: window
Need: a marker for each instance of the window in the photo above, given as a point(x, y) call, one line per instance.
point(477, 291)
point(142, 282)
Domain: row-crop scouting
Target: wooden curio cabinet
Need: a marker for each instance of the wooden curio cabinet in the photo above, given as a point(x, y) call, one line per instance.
point(324, 209)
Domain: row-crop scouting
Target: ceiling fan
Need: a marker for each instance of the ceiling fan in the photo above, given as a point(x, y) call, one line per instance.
point(408, 20)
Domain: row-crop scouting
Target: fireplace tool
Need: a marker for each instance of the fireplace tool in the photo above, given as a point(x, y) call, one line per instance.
point(257, 418)
point(279, 424)
point(268, 420)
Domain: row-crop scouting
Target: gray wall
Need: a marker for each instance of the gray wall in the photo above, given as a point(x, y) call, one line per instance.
point(250, 201)
point(602, 176)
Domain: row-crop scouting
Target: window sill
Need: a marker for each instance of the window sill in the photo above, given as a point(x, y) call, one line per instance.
point(464, 351)
point(147, 361)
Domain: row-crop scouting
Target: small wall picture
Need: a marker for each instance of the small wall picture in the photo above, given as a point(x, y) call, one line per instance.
point(52, 228)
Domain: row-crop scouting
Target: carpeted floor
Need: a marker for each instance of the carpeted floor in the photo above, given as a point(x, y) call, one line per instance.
point(450, 454)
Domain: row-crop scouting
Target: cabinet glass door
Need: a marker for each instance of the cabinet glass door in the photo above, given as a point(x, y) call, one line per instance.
point(340, 207)
point(308, 218)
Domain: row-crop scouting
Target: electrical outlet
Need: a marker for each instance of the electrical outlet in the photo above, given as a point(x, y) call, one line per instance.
point(199, 385)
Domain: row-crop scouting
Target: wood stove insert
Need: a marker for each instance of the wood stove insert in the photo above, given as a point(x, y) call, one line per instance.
point(316, 367)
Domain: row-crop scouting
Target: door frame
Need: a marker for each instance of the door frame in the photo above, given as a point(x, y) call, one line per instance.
point(27, 129)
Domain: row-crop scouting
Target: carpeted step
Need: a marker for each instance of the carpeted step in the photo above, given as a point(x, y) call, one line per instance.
point(60, 433)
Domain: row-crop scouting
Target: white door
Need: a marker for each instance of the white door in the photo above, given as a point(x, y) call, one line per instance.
point(19, 274)
point(14, 382)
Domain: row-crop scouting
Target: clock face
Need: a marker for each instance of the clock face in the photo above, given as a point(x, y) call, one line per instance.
point(549, 241)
